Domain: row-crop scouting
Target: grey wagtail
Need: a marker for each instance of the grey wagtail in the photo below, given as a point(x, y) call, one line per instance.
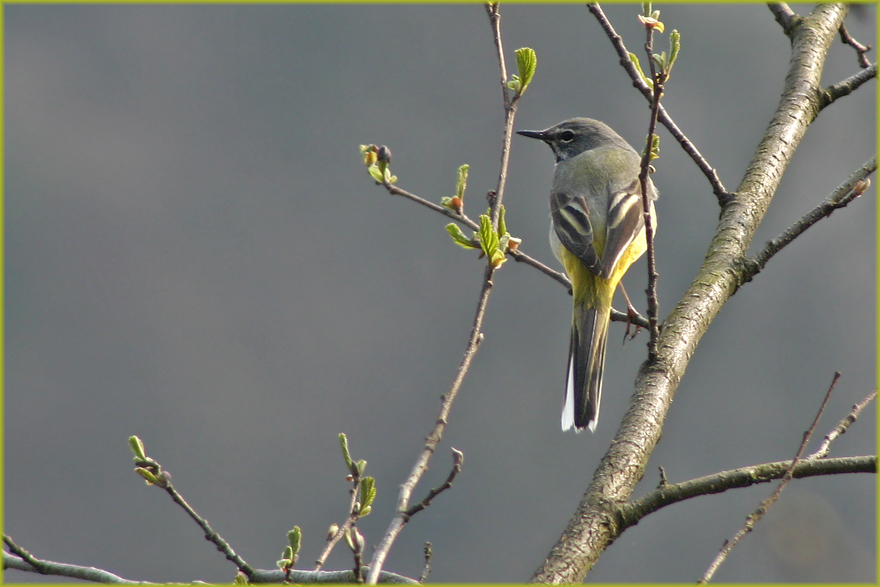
point(597, 230)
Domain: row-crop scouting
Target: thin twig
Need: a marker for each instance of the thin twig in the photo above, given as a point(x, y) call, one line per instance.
point(847, 86)
point(663, 117)
point(667, 493)
point(396, 191)
point(860, 49)
point(854, 186)
point(495, 21)
point(509, 113)
point(24, 555)
point(340, 532)
point(786, 17)
point(457, 459)
point(841, 428)
point(421, 465)
point(653, 304)
point(164, 482)
point(516, 254)
point(756, 516)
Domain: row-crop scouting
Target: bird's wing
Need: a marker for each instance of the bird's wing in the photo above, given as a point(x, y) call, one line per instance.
point(624, 223)
point(571, 222)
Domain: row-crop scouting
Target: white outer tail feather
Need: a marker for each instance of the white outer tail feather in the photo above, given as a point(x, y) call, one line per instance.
point(568, 405)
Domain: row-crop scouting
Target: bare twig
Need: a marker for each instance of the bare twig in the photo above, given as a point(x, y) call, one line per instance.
point(509, 113)
point(396, 191)
point(162, 479)
point(24, 555)
point(786, 17)
point(340, 532)
point(860, 49)
point(842, 427)
point(756, 516)
point(495, 21)
point(854, 186)
point(667, 493)
point(516, 254)
point(847, 86)
point(457, 459)
point(663, 117)
point(421, 465)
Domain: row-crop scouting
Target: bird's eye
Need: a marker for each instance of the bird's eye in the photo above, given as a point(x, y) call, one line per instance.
point(567, 136)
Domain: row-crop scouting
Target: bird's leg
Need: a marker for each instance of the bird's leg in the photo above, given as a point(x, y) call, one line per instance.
point(631, 314)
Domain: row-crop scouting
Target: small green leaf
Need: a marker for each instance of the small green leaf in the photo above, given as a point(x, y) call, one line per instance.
point(151, 479)
point(294, 537)
point(361, 465)
point(374, 171)
point(458, 236)
point(137, 447)
point(526, 63)
point(240, 579)
point(284, 563)
point(367, 495)
point(660, 61)
point(502, 226)
point(343, 440)
point(654, 146)
point(461, 184)
point(674, 48)
point(489, 242)
point(365, 511)
point(348, 539)
point(638, 66)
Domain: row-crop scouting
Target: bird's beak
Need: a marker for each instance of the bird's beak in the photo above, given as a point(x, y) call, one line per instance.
point(532, 134)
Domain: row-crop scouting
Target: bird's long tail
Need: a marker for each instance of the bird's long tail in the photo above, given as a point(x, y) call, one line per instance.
point(586, 364)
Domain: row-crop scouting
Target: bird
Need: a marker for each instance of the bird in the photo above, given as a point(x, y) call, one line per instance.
point(597, 231)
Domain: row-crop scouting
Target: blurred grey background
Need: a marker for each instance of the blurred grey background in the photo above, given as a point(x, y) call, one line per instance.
point(196, 255)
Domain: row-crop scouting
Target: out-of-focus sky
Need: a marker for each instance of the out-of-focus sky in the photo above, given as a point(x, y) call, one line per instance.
point(196, 255)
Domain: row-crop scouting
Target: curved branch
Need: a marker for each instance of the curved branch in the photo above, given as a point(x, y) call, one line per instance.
point(668, 494)
point(845, 193)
